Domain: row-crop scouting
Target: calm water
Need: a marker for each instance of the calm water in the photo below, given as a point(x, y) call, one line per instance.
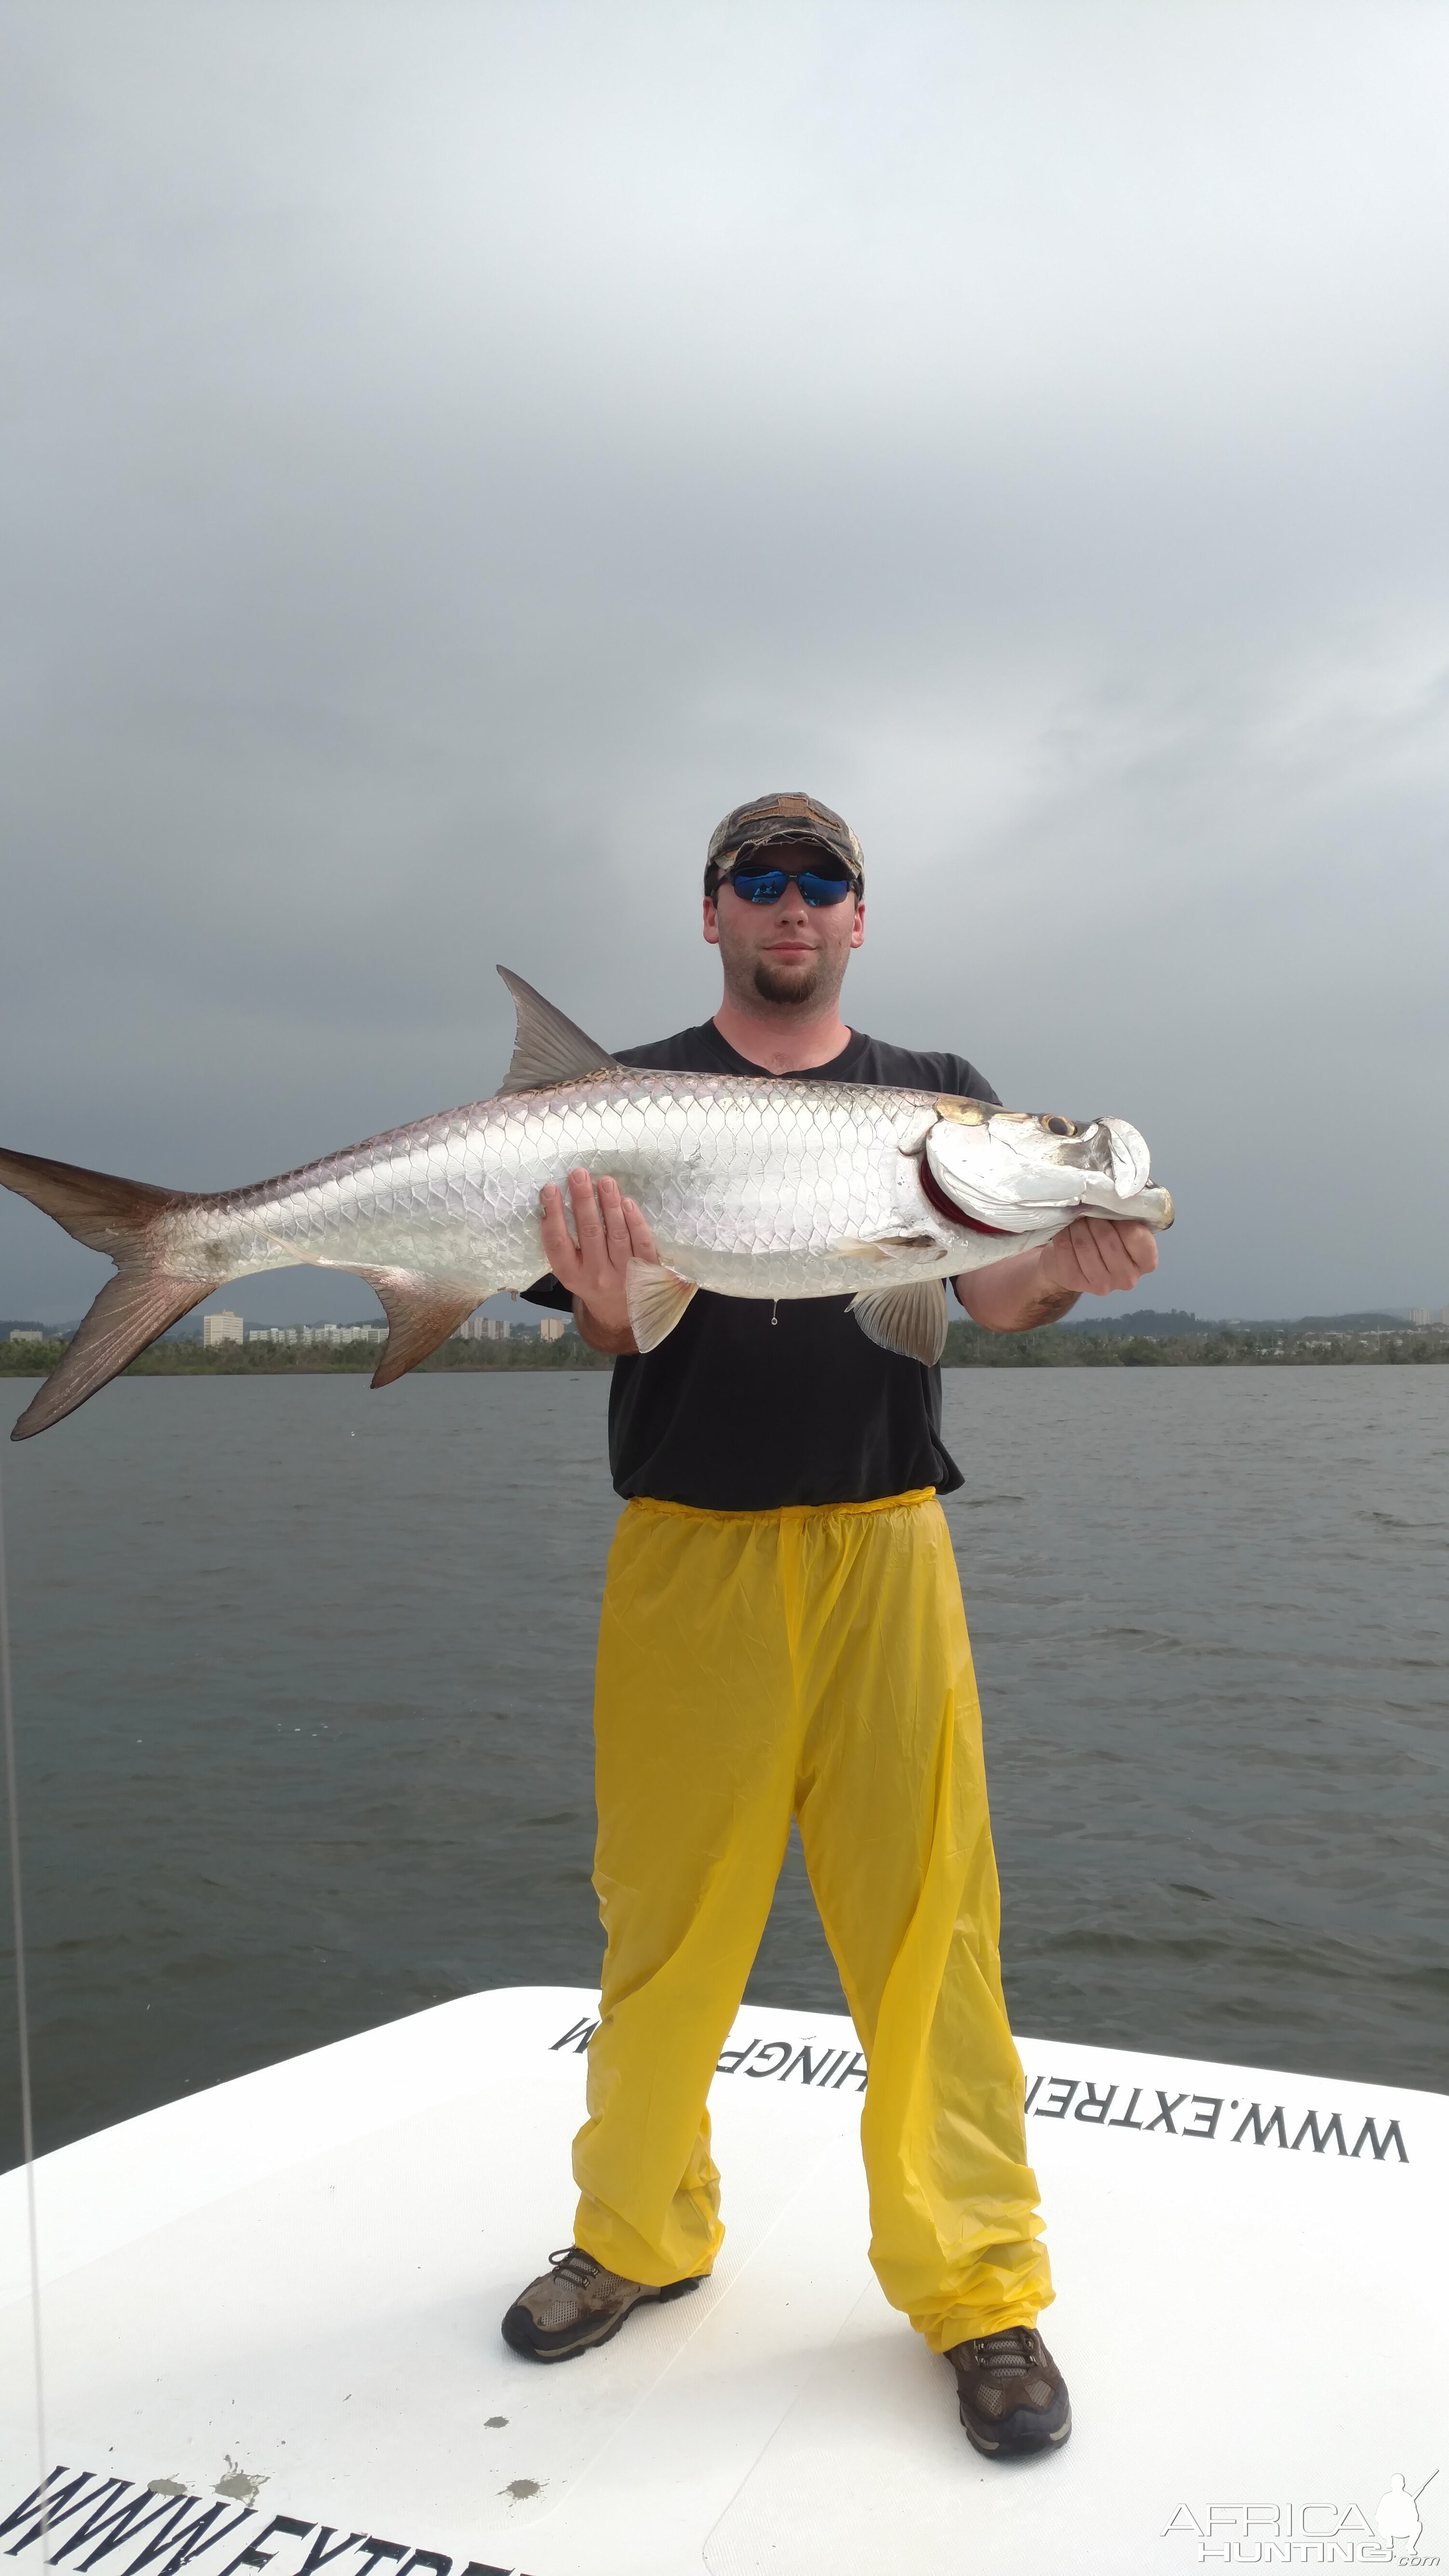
point(303, 1688)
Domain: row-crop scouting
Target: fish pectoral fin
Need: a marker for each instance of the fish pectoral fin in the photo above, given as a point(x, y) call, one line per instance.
point(657, 1298)
point(910, 1321)
point(548, 1048)
point(885, 1247)
point(420, 1312)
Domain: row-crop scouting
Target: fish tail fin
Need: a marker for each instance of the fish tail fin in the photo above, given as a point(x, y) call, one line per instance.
point(98, 1208)
point(119, 1218)
point(129, 1313)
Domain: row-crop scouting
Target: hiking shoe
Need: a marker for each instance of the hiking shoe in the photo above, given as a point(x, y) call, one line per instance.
point(1013, 2397)
point(576, 2304)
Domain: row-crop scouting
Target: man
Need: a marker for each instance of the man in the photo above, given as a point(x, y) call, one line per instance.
point(782, 1632)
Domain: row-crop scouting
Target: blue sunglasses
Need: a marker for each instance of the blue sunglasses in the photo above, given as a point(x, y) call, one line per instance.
point(766, 885)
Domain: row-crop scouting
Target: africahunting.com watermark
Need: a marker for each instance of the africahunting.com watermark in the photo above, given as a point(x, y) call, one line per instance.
point(1312, 2534)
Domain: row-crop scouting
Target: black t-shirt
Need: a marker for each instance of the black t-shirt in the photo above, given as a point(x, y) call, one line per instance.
point(746, 1407)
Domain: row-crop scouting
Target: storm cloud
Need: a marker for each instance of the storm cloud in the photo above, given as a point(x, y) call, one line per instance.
point(453, 452)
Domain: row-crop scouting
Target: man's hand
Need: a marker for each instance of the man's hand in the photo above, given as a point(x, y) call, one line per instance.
point(1091, 1257)
point(611, 1233)
point(1094, 1256)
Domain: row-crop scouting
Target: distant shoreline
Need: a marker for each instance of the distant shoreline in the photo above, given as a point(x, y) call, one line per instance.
point(966, 1347)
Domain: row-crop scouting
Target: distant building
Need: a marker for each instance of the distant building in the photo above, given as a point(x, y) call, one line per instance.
point(1420, 1317)
point(551, 1328)
point(483, 1328)
point(28, 1333)
point(217, 1329)
point(327, 1337)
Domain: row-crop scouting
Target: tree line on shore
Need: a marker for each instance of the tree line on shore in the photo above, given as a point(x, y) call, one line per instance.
point(1217, 1346)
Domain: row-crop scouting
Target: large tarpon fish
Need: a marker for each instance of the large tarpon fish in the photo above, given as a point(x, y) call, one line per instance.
point(755, 1186)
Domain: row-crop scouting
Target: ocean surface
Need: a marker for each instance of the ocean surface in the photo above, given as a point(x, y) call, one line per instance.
point(302, 1679)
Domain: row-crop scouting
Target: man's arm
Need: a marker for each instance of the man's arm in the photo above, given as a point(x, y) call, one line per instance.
point(618, 1341)
point(1091, 1257)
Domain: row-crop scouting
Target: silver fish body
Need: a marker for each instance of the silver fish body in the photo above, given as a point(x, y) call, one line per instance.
point(755, 1187)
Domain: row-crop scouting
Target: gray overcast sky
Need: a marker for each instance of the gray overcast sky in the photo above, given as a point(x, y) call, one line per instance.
point(453, 452)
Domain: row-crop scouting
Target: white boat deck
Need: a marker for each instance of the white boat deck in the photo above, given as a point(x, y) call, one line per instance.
point(276, 2305)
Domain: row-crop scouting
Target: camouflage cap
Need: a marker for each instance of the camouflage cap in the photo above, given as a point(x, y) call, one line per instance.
point(788, 817)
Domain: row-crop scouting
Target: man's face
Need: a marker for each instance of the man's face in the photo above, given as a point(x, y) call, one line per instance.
point(789, 952)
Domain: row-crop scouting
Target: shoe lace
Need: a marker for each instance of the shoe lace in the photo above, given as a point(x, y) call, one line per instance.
point(1008, 2355)
point(571, 2263)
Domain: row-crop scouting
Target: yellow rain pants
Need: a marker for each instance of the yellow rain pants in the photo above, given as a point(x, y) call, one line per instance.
point(751, 1665)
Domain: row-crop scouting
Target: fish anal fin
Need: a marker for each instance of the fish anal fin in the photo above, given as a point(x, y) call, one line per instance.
point(657, 1298)
point(910, 1320)
point(421, 1313)
point(548, 1048)
point(129, 1312)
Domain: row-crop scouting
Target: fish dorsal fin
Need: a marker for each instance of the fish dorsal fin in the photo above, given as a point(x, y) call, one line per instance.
point(548, 1048)
point(910, 1321)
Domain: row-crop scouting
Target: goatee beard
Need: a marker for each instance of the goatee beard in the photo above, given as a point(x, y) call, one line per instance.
point(797, 984)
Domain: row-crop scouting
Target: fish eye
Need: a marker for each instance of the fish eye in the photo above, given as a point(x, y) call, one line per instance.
point(1059, 1126)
